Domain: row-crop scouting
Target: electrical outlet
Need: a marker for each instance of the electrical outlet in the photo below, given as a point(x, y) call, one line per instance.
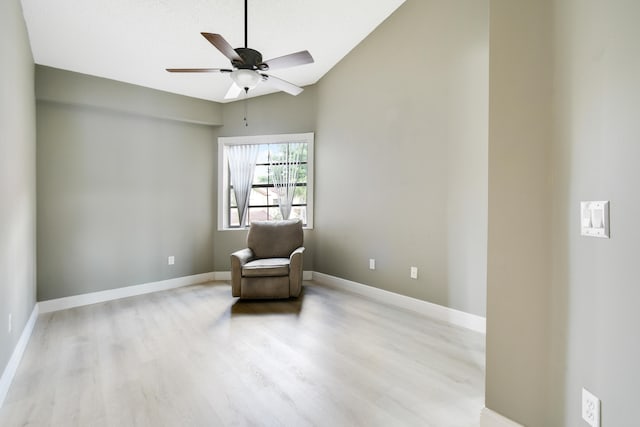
point(171, 260)
point(372, 264)
point(413, 273)
point(590, 408)
point(10, 322)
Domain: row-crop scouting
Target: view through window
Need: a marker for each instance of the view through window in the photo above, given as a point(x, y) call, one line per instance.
point(282, 180)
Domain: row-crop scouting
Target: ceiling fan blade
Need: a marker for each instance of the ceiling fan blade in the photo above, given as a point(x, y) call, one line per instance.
point(223, 46)
point(291, 60)
point(233, 92)
point(198, 70)
point(283, 85)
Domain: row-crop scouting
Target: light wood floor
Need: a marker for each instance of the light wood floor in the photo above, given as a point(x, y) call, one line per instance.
point(195, 356)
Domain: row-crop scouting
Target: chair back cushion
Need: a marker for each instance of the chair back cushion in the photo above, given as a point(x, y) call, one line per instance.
point(275, 239)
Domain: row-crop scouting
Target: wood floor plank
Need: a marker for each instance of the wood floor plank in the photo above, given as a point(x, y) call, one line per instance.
point(195, 356)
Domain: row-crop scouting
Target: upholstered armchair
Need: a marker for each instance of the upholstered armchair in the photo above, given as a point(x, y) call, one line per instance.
point(271, 265)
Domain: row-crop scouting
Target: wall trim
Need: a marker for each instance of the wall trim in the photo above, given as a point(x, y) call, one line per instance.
point(489, 418)
point(12, 367)
point(446, 314)
point(127, 291)
point(222, 275)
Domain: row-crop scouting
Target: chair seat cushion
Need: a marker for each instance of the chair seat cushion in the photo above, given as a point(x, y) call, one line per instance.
point(266, 267)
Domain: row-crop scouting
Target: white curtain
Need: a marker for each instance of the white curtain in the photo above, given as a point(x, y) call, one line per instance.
point(242, 164)
point(284, 173)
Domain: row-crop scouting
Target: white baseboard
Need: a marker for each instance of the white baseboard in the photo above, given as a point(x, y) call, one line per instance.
point(12, 367)
point(489, 418)
point(127, 291)
point(456, 317)
point(222, 275)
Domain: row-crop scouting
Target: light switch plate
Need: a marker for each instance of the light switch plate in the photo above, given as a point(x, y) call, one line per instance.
point(594, 219)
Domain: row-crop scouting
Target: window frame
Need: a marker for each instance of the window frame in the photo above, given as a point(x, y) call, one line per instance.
point(224, 183)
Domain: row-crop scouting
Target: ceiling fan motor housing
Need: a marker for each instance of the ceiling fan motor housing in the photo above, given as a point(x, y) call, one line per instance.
point(251, 60)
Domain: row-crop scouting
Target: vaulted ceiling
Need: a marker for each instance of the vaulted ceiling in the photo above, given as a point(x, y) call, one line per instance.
point(134, 41)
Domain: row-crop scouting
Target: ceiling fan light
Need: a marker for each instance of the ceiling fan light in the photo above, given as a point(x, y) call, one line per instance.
point(246, 79)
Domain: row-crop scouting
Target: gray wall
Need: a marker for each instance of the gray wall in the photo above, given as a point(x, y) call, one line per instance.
point(596, 283)
point(270, 114)
point(119, 191)
point(17, 178)
point(562, 309)
point(401, 156)
point(519, 211)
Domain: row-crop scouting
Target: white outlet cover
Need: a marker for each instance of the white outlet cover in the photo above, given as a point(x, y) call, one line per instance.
point(413, 273)
point(590, 408)
point(372, 264)
point(594, 219)
point(171, 260)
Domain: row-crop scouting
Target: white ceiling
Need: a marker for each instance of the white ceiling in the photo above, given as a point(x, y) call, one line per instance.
point(134, 41)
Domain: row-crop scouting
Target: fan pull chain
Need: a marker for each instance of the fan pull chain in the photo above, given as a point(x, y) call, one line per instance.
point(246, 105)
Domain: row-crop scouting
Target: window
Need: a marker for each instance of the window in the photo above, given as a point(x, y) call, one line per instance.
point(288, 158)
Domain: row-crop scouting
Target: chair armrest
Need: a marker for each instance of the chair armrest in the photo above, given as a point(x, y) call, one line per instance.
point(296, 253)
point(295, 271)
point(238, 259)
point(242, 256)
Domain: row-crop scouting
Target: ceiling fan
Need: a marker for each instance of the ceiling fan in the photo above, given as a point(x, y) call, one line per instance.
point(248, 68)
